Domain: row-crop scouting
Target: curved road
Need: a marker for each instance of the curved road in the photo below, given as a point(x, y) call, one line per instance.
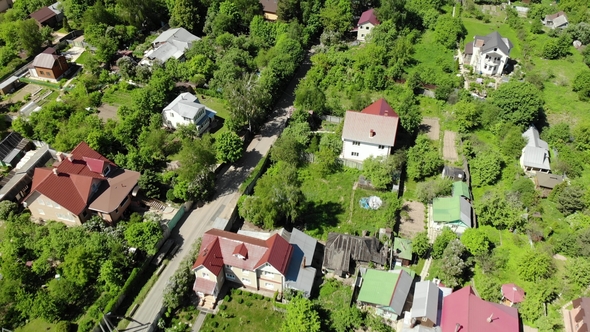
point(201, 219)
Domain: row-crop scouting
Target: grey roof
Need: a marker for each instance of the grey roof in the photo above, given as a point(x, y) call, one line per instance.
point(469, 48)
point(426, 299)
point(23, 172)
point(560, 21)
point(12, 156)
point(44, 60)
point(342, 248)
point(402, 289)
point(10, 142)
point(358, 126)
point(300, 275)
point(186, 105)
point(8, 82)
point(549, 181)
point(495, 40)
point(466, 214)
point(453, 173)
point(177, 34)
point(172, 43)
point(536, 152)
point(557, 20)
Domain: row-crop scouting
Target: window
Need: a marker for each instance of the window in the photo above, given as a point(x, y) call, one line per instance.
point(41, 212)
point(85, 214)
point(228, 266)
point(66, 217)
point(485, 67)
point(171, 114)
point(354, 154)
point(356, 143)
point(41, 201)
point(245, 272)
point(230, 276)
point(125, 200)
point(41, 72)
point(362, 35)
point(381, 147)
point(205, 275)
point(48, 203)
point(266, 273)
point(57, 206)
point(246, 280)
point(269, 285)
point(495, 49)
point(107, 170)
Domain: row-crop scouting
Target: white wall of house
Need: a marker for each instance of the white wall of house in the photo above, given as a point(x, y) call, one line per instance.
point(172, 119)
point(489, 63)
point(360, 151)
point(364, 30)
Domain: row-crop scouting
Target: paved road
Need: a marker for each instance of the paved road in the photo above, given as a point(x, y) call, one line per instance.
point(201, 219)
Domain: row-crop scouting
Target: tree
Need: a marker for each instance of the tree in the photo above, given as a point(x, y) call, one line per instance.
point(449, 30)
point(7, 208)
point(144, 235)
point(453, 264)
point(195, 157)
point(534, 266)
point(581, 85)
point(536, 27)
point(247, 101)
point(288, 150)
point(441, 242)
point(327, 161)
point(126, 67)
point(229, 147)
point(423, 159)
point(79, 265)
point(519, 103)
point(149, 182)
point(557, 48)
point(310, 98)
point(485, 169)
point(29, 36)
point(467, 115)
point(559, 133)
point(301, 316)
point(577, 272)
point(580, 31)
point(288, 10)
point(409, 113)
point(421, 244)
point(488, 288)
point(380, 170)
point(337, 15)
point(185, 14)
point(493, 210)
point(476, 241)
point(511, 142)
point(427, 191)
point(571, 199)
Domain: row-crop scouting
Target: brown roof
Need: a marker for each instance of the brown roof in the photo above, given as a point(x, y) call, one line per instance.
point(112, 191)
point(469, 48)
point(45, 60)
point(269, 6)
point(360, 126)
point(549, 181)
point(554, 16)
point(342, 248)
point(43, 14)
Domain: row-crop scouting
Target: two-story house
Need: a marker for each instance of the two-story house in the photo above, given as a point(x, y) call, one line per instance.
point(371, 132)
point(366, 23)
point(172, 43)
point(575, 319)
point(49, 66)
point(187, 110)
point(250, 262)
point(488, 54)
point(81, 184)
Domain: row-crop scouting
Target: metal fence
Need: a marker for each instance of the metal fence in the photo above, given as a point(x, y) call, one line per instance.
point(331, 118)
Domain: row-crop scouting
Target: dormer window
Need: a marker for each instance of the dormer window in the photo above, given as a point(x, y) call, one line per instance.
point(240, 251)
point(107, 170)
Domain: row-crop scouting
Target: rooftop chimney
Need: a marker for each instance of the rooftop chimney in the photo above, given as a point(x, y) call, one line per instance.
point(372, 133)
point(490, 318)
point(59, 156)
point(55, 171)
point(458, 327)
point(70, 157)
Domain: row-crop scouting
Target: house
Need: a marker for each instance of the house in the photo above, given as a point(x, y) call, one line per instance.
point(546, 182)
point(366, 23)
point(386, 291)
point(16, 185)
point(454, 212)
point(425, 305)
point(49, 16)
point(575, 319)
point(81, 184)
point(247, 261)
point(371, 132)
point(9, 85)
point(512, 294)
point(5, 5)
point(463, 311)
point(269, 8)
point(402, 251)
point(186, 110)
point(488, 54)
point(342, 253)
point(171, 43)
point(535, 154)
point(461, 189)
point(453, 173)
point(557, 20)
point(48, 65)
point(300, 274)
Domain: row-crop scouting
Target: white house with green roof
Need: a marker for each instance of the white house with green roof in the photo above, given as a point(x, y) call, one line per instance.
point(386, 291)
point(454, 212)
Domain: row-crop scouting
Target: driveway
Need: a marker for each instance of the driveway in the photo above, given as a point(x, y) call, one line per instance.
point(201, 219)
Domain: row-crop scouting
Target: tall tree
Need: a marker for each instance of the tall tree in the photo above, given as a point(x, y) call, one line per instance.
point(29, 35)
point(519, 103)
point(247, 101)
point(301, 316)
point(423, 159)
point(229, 147)
point(337, 15)
point(453, 264)
point(380, 170)
point(185, 14)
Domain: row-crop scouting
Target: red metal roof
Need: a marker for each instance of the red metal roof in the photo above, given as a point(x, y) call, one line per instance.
point(278, 253)
point(380, 107)
point(369, 16)
point(513, 293)
point(210, 255)
point(79, 165)
point(95, 165)
point(205, 286)
point(463, 311)
point(241, 250)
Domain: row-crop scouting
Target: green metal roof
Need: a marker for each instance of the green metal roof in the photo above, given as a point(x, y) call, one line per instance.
point(460, 188)
point(378, 287)
point(446, 209)
point(402, 248)
point(407, 269)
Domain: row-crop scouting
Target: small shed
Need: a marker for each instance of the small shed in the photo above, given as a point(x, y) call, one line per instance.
point(461, 189)
point(402, 251)
point(546, 182)
point(9, 85)
point(453, 173)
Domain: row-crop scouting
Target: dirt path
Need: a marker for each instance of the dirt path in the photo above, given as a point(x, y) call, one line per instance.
point(412, 221)
point(431, 127)
point(449, 146)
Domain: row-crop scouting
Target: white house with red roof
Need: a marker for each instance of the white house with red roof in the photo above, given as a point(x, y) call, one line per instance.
point(512, 294)
point(366, 24)
point(81, 184)
point(463, 311)
point(250, 262)
point(371, 132)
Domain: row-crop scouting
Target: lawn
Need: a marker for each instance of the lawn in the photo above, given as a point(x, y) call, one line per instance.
point(245, 312)
point(83, 58)
point(219, 106)
point(117, 97)
point(37, 325)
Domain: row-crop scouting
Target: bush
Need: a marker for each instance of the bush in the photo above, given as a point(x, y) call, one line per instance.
point(238, 292)
point(214, 324)
point(248, 303)
point(222, 307)
point(227, 298)
point(240, 300)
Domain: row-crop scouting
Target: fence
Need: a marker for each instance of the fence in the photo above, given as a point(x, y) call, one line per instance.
point(172, 223)
point(40, 82)
point(310, 157)
point(331, 118)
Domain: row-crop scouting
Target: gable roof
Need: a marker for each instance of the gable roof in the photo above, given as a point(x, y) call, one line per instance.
point(359, 126)
point(269, 6)
point(176, 34)
point(42, 15)
point(380, 107)
point(186, 105)
point(300, 274)
point(536, 151)
point(513, 293)
point(10, 142)
point(55, 8)
point(461, 188)
point(549, 181)
point(369, 16)
point(45, 60)
point(463, 307)
point(171, 43)
point(558, 19)
point(113, 191)
point(491, 41)
point(218, 248)
point(340, 249)
point(452, 210)
point(426, 296)
point(389, 289)
point(402, 248)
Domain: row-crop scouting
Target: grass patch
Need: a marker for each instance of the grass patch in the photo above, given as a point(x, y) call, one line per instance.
point(118, 97)
point(83, 58)
point(418, 266)
point(52, 97)
point(218, 105)
point(37, 325)
point(246, 312)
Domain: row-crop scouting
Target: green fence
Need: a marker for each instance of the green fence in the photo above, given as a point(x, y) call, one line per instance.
point(176, 218)
point(42, 83)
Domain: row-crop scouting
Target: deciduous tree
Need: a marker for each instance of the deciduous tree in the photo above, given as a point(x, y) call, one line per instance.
point(476, 241)
point(301, 316)
point(423, 159)
point(534, 266)
point(229, 146)
point(144, 235)
point(453, 264)
point(421, 244)
point(441, 242)
point(485, 169)
point(380, 170)
point(519, 103)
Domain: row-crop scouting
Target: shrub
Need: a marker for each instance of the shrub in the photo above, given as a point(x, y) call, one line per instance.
point(248, 303)
point(240, 300)
point(238, 292)
point(214, 324)
point(227, 298)
point(222, 307)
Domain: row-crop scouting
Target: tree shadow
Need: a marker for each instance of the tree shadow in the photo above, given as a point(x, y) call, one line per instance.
point(317, 216)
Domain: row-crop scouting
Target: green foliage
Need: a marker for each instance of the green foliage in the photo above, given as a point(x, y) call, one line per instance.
point(380, 170)
point(485, 169)
point(310, 98)
point(511, 141)
point(179, 286)
point(229, 147)
point(409, 112)
point(287, 149)
point(488, 288)
point(423, 159)
point(144, 235)
point(494, 210)
point(247, 100)
point(534, 266)
point(149, 182)
point(428, 190)
point(185, 14)
point(557, 48)
point(442, 241)
point(421, 244)
point(301, 316)
point(29, 36)
point(577, 272)
point(7, 208)
point(571, 199)
point(452, 269)
point(581, 85)
point(449, 30)
point(336, 15)
point(467, 115)
point(476, 241)
point(559, 133)
point(519, 103)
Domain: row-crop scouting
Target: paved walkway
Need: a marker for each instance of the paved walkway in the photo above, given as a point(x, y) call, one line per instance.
point(223, 205)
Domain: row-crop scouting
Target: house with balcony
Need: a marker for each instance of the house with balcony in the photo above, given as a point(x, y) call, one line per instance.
point(575, 319)
point(81, 184)
point(371, 132)
point(488, 54)
point(187, 110)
